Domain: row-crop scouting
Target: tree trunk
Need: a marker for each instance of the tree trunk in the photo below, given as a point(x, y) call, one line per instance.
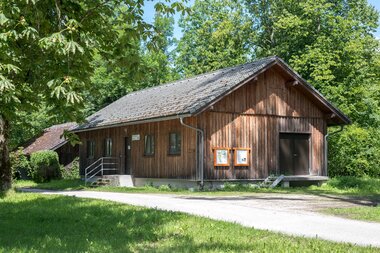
point(5, 165)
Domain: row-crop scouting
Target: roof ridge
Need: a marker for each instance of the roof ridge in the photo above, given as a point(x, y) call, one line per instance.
point(61, 125)
point(175, 97)
point(194, 77)
point(202, 74)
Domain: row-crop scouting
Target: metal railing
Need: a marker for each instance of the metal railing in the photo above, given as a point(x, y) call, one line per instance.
point(98, 167)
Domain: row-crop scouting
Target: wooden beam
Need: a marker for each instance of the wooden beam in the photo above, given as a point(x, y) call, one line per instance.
point(291, 83)
point(330, 115)
point(254, 80)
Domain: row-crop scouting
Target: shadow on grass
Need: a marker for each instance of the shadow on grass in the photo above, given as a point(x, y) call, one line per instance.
point(69, 224)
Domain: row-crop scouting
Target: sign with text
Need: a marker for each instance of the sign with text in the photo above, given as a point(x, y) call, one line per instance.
point(241, 156)
point(135, 137)
point(221, 156)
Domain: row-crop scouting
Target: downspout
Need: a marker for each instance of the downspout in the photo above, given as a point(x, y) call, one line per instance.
point(199, 160)
point(326, 145)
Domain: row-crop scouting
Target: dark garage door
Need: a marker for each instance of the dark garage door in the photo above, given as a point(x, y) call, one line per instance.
point(294, 154)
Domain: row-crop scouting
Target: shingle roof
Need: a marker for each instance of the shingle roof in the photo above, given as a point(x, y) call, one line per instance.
point(179, 97)
point(183, 97)
point(50, 139)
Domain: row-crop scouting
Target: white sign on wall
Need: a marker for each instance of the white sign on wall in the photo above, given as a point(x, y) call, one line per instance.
point(135, 137)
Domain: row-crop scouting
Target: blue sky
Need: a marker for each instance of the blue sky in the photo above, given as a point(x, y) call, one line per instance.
point(149, 15)
point(376, 3)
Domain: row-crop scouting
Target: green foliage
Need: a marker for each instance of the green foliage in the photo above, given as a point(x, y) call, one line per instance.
point(28, 125)
point(330, 43)
point(71, 171)
point(19, 163)
point(47, 50)
point(136, 66)
point(216, 34)
point(355, 152)
point(44, 166)
point(165, 187)
point(363, 184)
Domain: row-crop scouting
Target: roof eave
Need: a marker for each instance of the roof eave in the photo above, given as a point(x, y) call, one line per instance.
point(127, 123)
point(343, 118)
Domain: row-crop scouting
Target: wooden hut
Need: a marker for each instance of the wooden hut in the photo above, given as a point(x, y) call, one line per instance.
point(52, 139)
point(242, 123)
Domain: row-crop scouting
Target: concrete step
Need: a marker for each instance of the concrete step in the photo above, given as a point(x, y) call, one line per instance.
point(113, 180)
point(126, 181)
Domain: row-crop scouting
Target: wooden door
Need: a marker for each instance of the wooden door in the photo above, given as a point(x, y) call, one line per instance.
point(127, 155)
point(294, 154)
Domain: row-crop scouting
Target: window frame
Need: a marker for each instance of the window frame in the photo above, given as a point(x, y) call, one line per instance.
point(152, 143)
point(90, 152)
point(178, 144)
point(107, 150)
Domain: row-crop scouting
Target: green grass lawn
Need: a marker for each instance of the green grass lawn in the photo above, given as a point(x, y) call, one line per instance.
point(41, 223)
point(367, 187)
point(368, 213)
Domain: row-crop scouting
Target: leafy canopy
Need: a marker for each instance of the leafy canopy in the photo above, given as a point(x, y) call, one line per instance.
point(47, 53)
point(48, 47)
point(216, 34)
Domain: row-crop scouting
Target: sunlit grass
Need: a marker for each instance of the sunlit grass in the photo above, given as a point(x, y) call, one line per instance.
point(367, 213)
point(41, 223)
point(368, 187)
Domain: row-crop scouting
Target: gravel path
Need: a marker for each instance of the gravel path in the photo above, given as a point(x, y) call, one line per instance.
point(290, 214)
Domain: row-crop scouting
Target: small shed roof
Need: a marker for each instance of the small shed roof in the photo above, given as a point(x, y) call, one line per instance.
point(50, 139)
point(190, 96)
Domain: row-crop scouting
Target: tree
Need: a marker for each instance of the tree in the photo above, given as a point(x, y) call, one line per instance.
point(332, 45)
point(158, 64)
point(216, 34)
point(47, 49)
point(138, 65)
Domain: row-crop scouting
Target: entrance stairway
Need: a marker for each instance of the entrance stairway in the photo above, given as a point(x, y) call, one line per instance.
point(104, 165)
point(272, 181)
point(113, 180)
point(104, 172)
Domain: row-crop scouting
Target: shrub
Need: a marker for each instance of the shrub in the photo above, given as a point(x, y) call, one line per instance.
point(19, 163)
point(361, 184)
point(165, 187)
point(72, 170)
point(44, 166)
point(355, 152)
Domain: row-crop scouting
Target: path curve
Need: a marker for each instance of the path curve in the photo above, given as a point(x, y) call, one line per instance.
point(299, 223)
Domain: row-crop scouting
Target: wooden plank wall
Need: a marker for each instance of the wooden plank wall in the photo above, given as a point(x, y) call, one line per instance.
point(67, 153)
point(252, 117)
point(161, 165)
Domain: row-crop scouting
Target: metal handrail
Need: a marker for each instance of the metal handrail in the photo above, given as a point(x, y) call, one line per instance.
point(98, 168)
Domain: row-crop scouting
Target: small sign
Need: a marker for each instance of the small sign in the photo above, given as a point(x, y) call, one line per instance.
point(241, 156)
point(135, 137)
point(221, 156)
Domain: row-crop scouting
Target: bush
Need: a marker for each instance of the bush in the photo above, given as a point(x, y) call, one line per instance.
point(355, 152)
point(365, 185)
point(44, 166)
point(19, 163)
point(72, 170)
point(165, 187)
